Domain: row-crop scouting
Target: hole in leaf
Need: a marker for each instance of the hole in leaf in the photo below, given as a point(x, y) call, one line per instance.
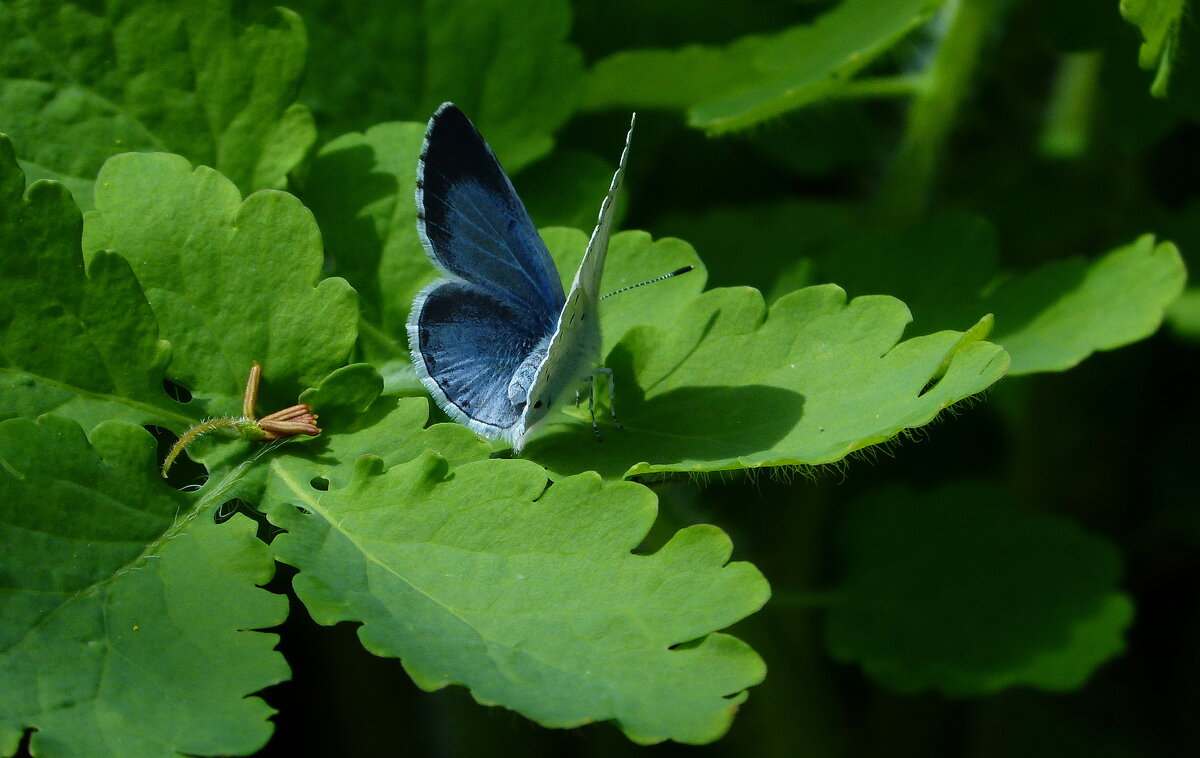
point(176, 392)
point(232, 506)
point(319, 483)
point(266, 531)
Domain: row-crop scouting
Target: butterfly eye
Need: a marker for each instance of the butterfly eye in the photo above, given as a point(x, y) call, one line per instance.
point(538, 404)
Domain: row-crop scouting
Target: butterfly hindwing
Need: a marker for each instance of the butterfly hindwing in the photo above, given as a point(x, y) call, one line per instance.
point(473, 224)
point(466, 345)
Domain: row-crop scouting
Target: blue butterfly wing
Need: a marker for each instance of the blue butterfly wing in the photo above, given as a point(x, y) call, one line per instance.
point(466, 345)
point(470, 332)
point(473, 225)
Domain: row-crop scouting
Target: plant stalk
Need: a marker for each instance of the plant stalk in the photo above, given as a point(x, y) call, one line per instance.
point(906, 188)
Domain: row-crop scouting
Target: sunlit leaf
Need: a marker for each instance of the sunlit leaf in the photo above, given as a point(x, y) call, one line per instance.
point(79, 84)
point(79, 343)
point(709, 381)
point(231, 281)
point(529, 596)
point(1159, 22)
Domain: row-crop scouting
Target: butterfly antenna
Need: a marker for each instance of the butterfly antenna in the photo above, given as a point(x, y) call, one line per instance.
point(676, 272)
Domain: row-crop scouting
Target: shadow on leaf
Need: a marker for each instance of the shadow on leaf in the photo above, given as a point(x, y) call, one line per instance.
point(677, 426)
point(354, 246)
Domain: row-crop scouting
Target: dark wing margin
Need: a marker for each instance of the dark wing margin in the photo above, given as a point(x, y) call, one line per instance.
point(466, 345)
point(473, 224)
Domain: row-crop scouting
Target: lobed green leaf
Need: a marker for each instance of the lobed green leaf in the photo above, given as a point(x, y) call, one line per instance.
point(1058, 314)
point(230, 281)
point(79, 84)
point(81, 342)
point(709, 381)
point(529, 596)
point(125, 615)
point(361, 190)
point(947, 271)
point(1048, 319)
point(508, 65)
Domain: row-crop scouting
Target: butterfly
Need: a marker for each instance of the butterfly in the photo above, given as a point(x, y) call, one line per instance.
point(496, 341)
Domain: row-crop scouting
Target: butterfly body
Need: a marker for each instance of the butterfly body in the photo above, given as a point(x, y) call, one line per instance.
point(497, 341)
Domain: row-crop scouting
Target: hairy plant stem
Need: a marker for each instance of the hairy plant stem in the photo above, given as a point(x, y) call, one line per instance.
point(193, 433)
point(906, 188)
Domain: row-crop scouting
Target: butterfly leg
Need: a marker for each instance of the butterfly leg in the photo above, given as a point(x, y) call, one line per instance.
point(612, 392)
point(591, 380)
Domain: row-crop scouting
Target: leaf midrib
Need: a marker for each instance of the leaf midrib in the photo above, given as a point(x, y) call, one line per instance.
point(138, 405)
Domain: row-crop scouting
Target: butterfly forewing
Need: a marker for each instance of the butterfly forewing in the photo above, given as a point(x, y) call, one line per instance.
point(473, 224)
point(575, 347)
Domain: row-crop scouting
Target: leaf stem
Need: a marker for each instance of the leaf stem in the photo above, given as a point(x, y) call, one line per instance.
point(906, 187)
point(881, 86)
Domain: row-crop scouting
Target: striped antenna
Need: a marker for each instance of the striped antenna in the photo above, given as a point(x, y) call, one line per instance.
point(676, 272)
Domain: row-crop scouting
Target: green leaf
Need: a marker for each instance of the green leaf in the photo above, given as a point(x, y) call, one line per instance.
point(1047, 319)
point(1055, 316)
point(957, 590)
point(361, 190)
point(78, 86)
point(507, 65)
point(80, 189)
point(529, 596)
point(230, 281)
point(80, 344)
point(759, 77)
point(360, 422)
point(712, 381)
point(125, 616)
point(1159, 22)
